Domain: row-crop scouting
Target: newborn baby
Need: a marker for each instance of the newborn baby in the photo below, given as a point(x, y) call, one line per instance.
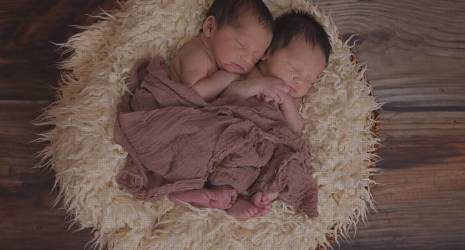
point(298, 54)
point(234, 36)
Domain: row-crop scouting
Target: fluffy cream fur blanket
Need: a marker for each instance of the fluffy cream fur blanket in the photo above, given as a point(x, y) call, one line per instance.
point(80, 150)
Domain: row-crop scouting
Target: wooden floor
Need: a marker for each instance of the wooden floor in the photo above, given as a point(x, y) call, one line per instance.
point(415, 52)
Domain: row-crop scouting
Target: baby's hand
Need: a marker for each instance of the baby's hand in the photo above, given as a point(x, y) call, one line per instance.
point(288, 104)
point(272, 89)
point(291, 113)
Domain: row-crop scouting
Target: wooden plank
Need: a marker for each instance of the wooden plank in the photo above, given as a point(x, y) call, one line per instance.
point(27, 78)
point(40, 22)
point(29, 222)
point(413, 49)
point(426, 224)
point(17, 133)
point(415, 55)
point(28, 29)
point(28, 219)
point(421, 195)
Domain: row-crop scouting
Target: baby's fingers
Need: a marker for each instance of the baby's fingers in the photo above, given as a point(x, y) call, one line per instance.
point(273, 96)
point(268, 99)
point(284, 88)
point(285, 96)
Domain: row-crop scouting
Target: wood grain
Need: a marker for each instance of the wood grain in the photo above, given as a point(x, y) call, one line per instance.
point(28, 219)
point(415, 50)
point(421, 198)
point(415, 54)
point(28, 31)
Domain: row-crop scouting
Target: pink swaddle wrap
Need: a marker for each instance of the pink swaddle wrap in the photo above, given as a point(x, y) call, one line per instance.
point(176, 142)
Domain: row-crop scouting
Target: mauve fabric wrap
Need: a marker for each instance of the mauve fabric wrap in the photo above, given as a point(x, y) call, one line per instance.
point(176, 141)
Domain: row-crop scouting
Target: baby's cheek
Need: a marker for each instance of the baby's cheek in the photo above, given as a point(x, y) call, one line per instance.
point(224, 53)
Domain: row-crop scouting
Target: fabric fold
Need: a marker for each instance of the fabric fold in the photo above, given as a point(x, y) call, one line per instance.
point(176, 141)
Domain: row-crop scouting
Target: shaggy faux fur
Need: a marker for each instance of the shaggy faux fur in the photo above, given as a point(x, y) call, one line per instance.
point(338, 128)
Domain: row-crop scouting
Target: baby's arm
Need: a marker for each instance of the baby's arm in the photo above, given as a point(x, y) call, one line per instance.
point(271, 88)
point(290, 110)
point(209, 88)
point(262, 86)
point(194, 72)
point(243, 89)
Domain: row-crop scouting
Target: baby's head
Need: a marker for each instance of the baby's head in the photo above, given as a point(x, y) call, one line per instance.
point(298, 53)
point(239, 32)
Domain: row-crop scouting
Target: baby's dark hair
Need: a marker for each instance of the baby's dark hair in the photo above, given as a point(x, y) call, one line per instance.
point(299, 23)
point(229, 11)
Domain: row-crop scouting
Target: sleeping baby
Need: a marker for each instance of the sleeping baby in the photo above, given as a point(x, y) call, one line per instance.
point(235, 35)
point(296, 57)
point(298, 54)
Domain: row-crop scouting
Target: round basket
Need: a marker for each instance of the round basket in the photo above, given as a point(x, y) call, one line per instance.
point(339, 118)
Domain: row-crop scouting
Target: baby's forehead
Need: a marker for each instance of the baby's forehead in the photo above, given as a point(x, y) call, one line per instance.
point(302, 54)
point(247, 20)
point(251, 33)
point(292, 49)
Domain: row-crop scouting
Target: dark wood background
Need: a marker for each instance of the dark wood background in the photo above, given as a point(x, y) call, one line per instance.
point(415, 52)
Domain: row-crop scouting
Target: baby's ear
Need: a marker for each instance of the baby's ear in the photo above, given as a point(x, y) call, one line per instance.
point(209, 26)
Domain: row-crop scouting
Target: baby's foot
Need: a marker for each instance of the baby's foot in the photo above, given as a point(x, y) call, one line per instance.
point(222, 198)
point(244, 209)
point(261, 199)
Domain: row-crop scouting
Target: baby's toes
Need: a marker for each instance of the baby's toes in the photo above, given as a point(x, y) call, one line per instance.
point(234, 198)
point(229, 196)
point(233, 194)
point(257, 199)
point(232, 201)
point(252, 211)
point(228, 206)
point(266, 200)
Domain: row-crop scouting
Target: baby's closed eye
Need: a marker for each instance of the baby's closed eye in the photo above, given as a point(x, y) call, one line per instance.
point(240, 44)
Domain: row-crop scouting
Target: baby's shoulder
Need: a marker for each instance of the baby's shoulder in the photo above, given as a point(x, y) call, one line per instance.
point(192, 63)
point(193, 51)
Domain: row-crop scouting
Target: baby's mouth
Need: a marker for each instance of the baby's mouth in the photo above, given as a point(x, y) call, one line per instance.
point(236, 68)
